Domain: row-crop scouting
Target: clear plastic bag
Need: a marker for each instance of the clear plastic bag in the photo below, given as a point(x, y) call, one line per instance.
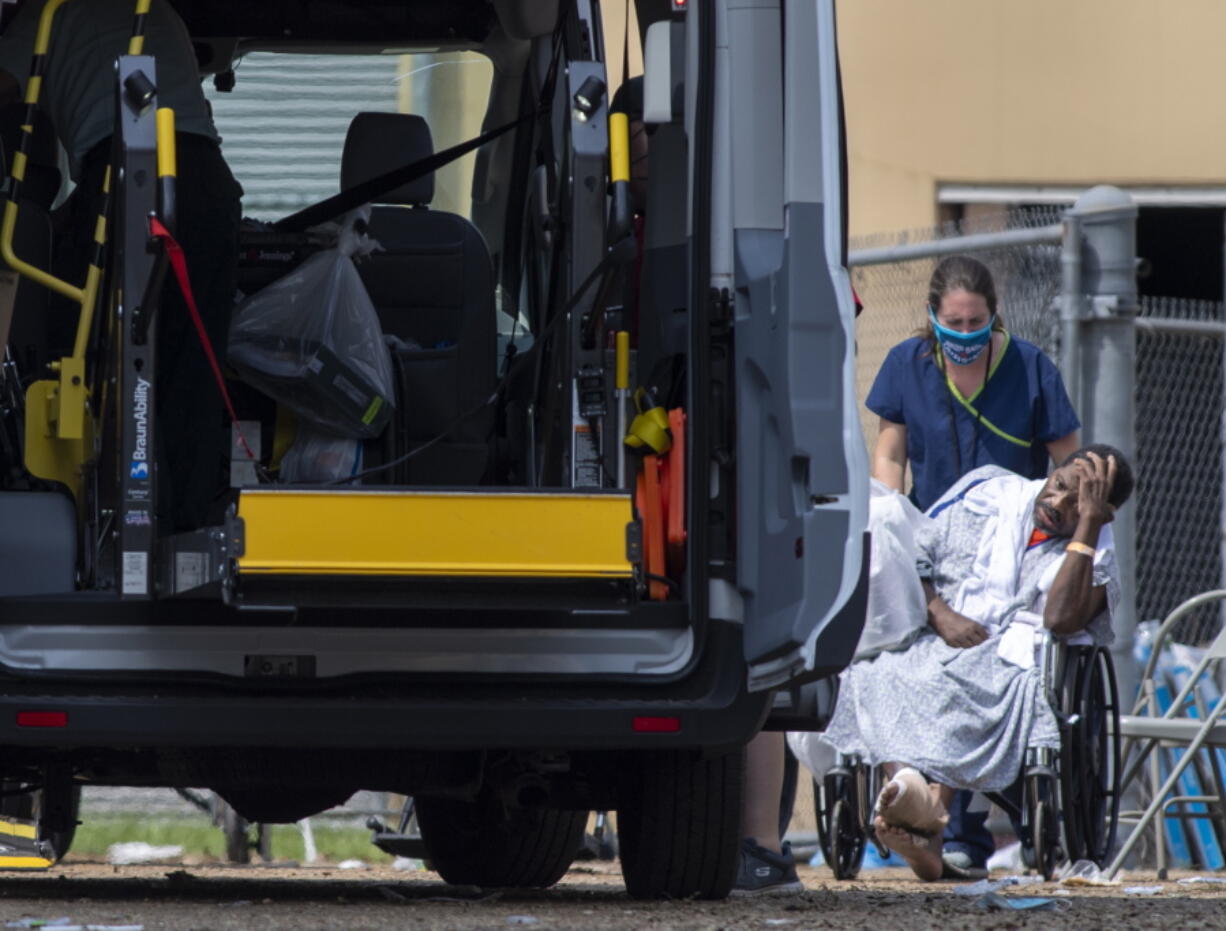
point(312, 340)
point(320, 457)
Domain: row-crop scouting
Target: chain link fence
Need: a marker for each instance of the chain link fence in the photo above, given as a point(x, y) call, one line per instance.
point(1179, 394)
point(1179, 469)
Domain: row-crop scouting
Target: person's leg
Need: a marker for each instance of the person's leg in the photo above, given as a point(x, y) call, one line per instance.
point(967, 842)
point(767, 864)
point(764, 767)
point(787, 793)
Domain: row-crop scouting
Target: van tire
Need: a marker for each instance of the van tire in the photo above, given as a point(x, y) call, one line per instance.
point(679, 824)
point(467, 846)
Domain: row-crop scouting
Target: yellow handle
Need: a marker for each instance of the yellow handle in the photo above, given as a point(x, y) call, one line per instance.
point(42, 41)
point(42, 38)
point(25, 268)
point(166, 142)
point(622, 381)
point(619, 147)
point(64, 414)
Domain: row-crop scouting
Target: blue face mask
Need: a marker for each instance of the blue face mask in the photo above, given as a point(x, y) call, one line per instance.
point(961, 348)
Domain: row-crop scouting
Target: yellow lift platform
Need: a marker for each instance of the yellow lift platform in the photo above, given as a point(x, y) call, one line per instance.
point(19, 849)
point(471, 534)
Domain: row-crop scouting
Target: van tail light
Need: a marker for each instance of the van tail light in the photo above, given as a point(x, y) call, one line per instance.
point(42, 718)
point(657, 725)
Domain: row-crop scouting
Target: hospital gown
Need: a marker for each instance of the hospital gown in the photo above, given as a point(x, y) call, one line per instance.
point(963, 717)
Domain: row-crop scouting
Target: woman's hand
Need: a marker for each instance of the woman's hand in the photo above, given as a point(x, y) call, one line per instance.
point(1096, 478)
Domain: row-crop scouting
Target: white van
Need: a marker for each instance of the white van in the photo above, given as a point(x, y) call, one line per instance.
point(575, 570)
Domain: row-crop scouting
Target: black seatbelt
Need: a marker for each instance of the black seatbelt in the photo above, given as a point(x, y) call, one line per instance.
point(334, 206)
point(368, 190)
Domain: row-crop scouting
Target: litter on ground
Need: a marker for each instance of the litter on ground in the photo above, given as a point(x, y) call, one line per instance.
point(129, 853)
point(985, 886)
point(994, 902)
point(1085, 873)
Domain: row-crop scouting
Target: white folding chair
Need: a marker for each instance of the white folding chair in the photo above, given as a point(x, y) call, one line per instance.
point(1146, 729)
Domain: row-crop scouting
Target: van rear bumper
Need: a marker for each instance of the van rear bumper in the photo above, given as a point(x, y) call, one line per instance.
point(707, 706)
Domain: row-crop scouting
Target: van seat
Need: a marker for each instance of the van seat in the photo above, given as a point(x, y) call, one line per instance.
point(433, 287)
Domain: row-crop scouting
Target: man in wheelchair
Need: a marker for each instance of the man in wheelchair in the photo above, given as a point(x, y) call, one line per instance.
point(959, 703)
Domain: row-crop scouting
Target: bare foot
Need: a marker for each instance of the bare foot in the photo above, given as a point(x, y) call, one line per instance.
point(922, 854)
point(911, 802)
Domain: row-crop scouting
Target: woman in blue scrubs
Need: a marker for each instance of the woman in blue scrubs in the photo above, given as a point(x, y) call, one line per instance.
point(966, 393)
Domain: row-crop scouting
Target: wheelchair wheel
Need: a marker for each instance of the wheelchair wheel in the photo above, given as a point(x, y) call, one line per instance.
point(1041, 820)
point(1089, 758)
point(840, 829)
point(847, 840)
point(823, 805)
point(1046, 839)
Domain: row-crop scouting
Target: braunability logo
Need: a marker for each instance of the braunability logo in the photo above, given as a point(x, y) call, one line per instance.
point(140, 414)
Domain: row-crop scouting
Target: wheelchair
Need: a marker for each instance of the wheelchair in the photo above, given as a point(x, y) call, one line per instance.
point(845, 796)
point(1065, 804)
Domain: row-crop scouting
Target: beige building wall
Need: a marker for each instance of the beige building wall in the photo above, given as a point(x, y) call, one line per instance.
point(1078, 92)
point(613, 19)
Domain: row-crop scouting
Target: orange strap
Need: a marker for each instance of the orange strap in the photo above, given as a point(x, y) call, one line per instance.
point(674, 494)
point(178, 262)
point(651, 509)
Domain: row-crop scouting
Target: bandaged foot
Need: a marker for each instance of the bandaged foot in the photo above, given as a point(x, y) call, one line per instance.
point(907, 801)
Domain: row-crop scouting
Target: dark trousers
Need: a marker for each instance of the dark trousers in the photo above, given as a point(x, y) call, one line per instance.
point(967, 831)
point(192, 438)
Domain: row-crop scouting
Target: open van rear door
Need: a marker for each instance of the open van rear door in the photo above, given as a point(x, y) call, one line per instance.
point(777, 227)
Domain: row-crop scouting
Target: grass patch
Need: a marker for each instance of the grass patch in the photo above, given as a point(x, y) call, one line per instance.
point(198, 837)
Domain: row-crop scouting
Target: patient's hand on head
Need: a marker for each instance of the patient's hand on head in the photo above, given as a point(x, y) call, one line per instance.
point(1096, 478)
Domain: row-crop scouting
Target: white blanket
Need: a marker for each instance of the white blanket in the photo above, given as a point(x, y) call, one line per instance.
point(988, 594)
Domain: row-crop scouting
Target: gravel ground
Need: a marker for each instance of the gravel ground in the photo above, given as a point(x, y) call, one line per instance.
point(205, 896)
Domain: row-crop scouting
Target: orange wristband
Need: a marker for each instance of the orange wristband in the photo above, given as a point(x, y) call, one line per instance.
point(1082, 548)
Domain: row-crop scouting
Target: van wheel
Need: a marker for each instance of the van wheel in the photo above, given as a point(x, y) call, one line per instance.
point(468, 845)
point(679, 825)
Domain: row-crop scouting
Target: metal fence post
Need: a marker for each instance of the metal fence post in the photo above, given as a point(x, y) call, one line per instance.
point(1071, 308)
point(1108, 220)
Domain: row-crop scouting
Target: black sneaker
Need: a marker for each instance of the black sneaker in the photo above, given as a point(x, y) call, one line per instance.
point(762, 872)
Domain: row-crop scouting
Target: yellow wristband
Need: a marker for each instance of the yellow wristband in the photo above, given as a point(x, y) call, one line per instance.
point(1082, 548)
